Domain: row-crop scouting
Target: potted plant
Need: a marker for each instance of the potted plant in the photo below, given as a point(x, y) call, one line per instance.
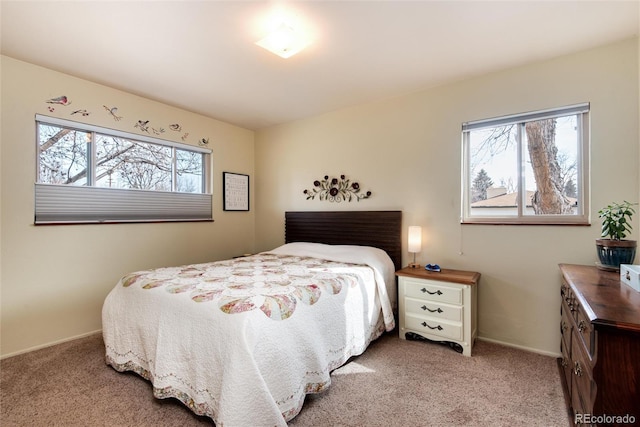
point(613, 249)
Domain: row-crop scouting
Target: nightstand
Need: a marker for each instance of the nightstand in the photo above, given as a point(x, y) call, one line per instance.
point(439, 306)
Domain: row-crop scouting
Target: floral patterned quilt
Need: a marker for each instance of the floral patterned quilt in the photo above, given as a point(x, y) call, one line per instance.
point(243, 341)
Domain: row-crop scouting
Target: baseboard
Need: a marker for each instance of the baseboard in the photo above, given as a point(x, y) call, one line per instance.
point(521, 347)
point(51, 344)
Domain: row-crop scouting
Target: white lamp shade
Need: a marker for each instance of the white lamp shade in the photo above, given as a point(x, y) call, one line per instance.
point(415, 238)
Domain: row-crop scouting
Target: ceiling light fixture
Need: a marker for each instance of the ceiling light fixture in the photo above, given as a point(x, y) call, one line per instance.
point(284, 41)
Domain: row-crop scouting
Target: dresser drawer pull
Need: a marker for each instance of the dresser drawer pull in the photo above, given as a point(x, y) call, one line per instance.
point(582, 325)
point(432, 327)
point(564, 362)
point(577, 369)
point(424, 307)
point(438, 292)
point(563, 326)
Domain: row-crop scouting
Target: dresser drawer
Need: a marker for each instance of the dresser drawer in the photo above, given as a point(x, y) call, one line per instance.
point(566, 363)
point(568, 299)
point(582, 385)
point(565, 327)
point(432, 290)
point(432, 326)
point(584, 328)
point(433, 309)
point(566, 293)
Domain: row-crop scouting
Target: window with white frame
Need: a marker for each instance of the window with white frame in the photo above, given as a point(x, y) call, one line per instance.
point(530, 168)
point(90, 174)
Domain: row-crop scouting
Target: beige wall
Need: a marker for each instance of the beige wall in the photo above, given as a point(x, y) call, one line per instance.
point(407, 151)
point(55, 278)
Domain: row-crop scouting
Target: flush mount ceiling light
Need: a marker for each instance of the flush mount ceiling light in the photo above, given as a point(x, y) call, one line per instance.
point(284, 41)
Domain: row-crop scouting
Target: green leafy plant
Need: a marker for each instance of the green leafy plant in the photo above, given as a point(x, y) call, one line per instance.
point(616, 220)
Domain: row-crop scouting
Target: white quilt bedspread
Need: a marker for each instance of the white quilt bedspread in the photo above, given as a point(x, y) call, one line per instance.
point(243, 341)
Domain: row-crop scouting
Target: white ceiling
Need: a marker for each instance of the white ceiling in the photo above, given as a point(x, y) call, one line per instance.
point(201, 55)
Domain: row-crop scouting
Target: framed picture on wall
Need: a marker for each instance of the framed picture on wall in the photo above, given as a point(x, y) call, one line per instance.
point(235, 195)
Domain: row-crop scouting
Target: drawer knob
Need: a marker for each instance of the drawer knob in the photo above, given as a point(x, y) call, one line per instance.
point(564, 326)
point(431, 327)
point(582, 326)
point(424, 307)
point(577, 369)
point(438, 292)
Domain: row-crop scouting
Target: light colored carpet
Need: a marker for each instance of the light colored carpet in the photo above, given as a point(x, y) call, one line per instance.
point(394, 383)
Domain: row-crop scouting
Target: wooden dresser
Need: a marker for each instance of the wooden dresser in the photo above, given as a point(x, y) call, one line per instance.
point(600, 344)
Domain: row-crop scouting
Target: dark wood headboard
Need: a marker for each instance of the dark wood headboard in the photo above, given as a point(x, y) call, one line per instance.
point(380, 229)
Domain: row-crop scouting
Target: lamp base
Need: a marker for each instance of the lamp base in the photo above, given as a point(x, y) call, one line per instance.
point(415, 265)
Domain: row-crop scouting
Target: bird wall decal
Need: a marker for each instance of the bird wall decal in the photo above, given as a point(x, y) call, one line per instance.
point(62, 100)
point(143, 125)
point(113, 111)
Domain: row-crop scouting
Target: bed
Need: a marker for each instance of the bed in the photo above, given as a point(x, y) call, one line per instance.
point(243, 341)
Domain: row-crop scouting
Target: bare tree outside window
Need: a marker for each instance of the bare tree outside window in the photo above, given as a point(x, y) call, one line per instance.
point(63, 155)
point(549, 197)
point(65, 158)
point(189, 171)
point(128, 164)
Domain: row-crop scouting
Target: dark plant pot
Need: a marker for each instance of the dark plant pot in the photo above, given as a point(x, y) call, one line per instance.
point(612, 253)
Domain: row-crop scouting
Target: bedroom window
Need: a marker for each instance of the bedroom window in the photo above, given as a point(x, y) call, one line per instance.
point(528, 168)
point(89, 174)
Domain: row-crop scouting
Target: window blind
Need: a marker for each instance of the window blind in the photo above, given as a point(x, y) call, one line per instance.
point(64, 204)
point(526, 117)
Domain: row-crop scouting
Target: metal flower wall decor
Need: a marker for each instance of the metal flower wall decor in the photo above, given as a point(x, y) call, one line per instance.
point(336, 190)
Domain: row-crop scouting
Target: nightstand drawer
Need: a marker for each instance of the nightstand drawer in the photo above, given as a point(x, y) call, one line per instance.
point(433, 291)
point(433, 309)
point(432, 326)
